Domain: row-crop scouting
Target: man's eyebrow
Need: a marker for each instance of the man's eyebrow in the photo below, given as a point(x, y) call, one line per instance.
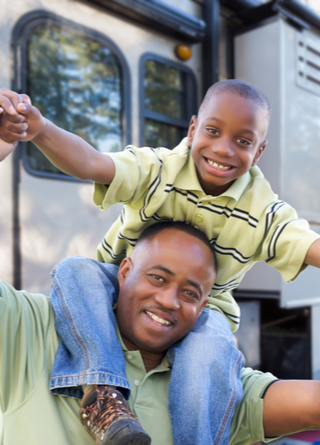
point(169, 272)
point(196, 285)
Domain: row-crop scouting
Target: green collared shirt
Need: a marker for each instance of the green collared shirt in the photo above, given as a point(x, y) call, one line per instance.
point(32, 415)
point(247, 223)
point(149, 401)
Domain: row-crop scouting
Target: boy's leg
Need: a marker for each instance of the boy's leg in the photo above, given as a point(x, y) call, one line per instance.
point(205, 384)
point(83, 294)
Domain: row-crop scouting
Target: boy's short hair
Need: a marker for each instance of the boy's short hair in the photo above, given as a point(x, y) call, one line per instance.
point(154, 229)
point(243, 89)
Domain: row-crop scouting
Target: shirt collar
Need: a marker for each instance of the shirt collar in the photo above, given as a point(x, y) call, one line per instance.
point(187, 179)
point(163, 366)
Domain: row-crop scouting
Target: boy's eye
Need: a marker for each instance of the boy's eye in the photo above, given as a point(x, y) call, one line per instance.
point(244, 142)
point(213, 130)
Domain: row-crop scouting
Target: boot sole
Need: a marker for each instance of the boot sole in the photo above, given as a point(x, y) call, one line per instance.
point(126, 432)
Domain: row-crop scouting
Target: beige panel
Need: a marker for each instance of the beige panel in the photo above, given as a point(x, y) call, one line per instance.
point(6, 236)
point(58, 219)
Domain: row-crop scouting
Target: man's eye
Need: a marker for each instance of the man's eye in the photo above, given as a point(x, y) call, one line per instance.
point(156, 277)
point(191, 295)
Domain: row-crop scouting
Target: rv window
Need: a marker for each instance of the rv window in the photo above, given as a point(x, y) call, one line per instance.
point(75, 81)
point(168, 102)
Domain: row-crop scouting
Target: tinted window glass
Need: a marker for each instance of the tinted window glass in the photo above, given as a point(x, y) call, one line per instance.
point(158, 134)
point(75, 81)
point(165, 89)
point(168, 102)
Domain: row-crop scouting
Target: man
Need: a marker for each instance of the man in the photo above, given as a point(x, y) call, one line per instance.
point(156, 284)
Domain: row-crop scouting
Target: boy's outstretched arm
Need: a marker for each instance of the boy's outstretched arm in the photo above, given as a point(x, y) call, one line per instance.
point(20, 121)
point(290, 406)
point(313, 255)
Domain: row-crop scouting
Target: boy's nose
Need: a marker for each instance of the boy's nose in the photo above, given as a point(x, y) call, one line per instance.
point(223, 147)
point(168, 298)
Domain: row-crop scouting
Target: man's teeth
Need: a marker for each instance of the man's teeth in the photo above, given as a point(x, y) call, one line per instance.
point(158, 319)
point(218, 166)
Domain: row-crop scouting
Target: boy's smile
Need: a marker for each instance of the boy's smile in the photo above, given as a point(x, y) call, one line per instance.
point(226, 139)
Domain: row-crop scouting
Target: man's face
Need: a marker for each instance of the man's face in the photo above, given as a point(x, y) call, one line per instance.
point(163, 288)
point(226, 139)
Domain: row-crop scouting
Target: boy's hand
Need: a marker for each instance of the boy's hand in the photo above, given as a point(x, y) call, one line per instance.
point(19, 120)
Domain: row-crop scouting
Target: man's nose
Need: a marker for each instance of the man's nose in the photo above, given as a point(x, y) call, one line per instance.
point(168, 298)
point(223, 147)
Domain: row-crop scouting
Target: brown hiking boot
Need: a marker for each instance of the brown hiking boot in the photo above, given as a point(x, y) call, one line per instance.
point(107, 417)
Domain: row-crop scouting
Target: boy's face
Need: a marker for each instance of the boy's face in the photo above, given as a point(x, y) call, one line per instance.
point(226, 140)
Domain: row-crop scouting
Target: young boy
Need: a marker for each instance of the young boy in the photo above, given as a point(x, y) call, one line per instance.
point(210, 181)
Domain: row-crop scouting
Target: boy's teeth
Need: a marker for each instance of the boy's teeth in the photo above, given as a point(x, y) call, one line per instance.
point(158, 319)
point(215, 165)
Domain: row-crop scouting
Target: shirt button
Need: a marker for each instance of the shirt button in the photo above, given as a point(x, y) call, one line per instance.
point(205, 203)
point(137, 382)
point(199, 218)
point(129, 357)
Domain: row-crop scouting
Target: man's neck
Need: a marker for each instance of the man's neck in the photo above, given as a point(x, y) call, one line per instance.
point(150, 359)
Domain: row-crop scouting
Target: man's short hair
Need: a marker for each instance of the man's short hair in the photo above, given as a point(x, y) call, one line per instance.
point(151, 231)
point(243, 89)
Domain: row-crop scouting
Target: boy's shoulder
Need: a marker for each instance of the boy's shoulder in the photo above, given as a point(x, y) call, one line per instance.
point(181, 149)
point(258, 189)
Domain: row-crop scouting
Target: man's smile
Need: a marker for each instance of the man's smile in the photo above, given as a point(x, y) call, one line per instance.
point(157, 319)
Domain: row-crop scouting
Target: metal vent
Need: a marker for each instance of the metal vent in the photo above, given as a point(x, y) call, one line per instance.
point(308, 63)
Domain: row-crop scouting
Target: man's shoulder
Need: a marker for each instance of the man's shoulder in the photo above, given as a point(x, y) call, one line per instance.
point(24, 313)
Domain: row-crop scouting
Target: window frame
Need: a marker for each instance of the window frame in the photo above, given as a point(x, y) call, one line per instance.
point(19, 81)
point(191, 96)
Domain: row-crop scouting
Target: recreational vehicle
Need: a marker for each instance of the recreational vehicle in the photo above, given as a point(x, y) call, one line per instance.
point(120, 72)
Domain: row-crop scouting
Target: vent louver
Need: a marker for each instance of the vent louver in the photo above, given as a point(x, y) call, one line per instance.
point(308, 63)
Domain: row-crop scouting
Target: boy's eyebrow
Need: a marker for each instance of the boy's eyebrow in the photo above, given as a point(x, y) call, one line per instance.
point(213, 118)
point(169, 272)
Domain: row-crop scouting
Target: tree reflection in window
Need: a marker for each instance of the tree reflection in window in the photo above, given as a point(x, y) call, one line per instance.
point(164, 89)
point(75, 81)
point(167, 107)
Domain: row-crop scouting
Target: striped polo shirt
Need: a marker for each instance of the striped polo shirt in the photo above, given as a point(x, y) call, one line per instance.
point(245, 224)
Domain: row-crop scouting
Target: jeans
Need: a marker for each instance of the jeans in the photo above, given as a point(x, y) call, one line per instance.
point(205, 384)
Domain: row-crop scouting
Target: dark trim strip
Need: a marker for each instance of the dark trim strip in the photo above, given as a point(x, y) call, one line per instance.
point(160, 16)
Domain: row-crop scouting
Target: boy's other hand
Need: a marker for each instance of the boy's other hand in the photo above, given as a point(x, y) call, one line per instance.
point(19, 120)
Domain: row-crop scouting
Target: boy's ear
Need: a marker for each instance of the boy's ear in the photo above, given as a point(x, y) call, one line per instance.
point(259, 152)
point(124, 268)
point(192, 129)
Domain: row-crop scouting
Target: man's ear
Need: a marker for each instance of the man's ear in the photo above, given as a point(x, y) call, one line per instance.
point(205, 301)
point(192, 129)
point(259, 152)
point(124, 269)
